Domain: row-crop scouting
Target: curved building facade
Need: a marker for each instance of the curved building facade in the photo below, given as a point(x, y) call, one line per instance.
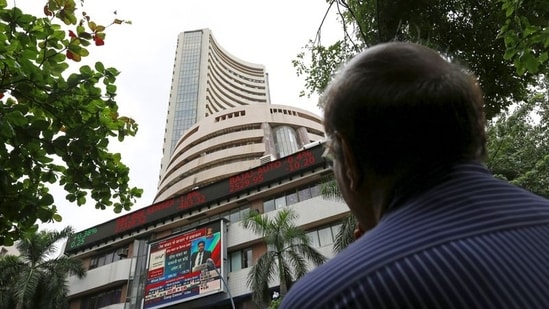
point(236, 140)
point(206, 80)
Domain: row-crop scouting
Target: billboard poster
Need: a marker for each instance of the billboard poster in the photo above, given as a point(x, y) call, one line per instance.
point(178, 266)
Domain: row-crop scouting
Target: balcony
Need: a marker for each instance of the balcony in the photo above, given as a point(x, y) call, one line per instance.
point(106, 275)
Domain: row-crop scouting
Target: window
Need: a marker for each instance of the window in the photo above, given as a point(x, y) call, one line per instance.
point(235, 259)
point(268, 206)
point(324, 235)
point(101, 299)
point(291, 198)
point(285, 140)
point(240, 259)
point(304, 194)
point(313, 236)
point(280, 202)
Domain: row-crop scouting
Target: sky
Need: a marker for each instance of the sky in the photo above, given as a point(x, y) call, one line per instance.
point(271, 33)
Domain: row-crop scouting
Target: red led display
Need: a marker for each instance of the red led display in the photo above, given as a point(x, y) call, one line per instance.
point(291, 165)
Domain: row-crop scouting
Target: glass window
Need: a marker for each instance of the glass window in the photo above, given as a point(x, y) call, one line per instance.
point(291, 198)
point(285, 141)
point(247, 258)
point(268, 206)
point(234, 216)
point(315, 190)
point(280, 202)
point(244, 212)
point(109, 257)
point(93, 262)
point(304, 194)
point(101, 260)
point(335, 229)
point(236, 260)
point(313, 236)
point(325, 236)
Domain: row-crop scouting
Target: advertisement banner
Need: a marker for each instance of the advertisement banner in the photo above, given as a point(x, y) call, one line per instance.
point(183, 267)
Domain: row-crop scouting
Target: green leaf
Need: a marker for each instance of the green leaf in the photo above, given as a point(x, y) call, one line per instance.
point(509, 53)
point(543, 57)
point(6, 130)
point(17, 118)
point(111, 89)
point(86, 70)
point(530, 62)
point(99, 67)
point(47, 199)
point(530, 30)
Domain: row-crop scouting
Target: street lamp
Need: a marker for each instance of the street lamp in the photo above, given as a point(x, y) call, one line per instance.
point(211, 264)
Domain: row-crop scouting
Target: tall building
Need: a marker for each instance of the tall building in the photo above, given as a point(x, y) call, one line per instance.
point(227, 151)
point(206, 80)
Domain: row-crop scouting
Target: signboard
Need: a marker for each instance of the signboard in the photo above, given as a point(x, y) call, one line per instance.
point(179, 270)
point(291, 165)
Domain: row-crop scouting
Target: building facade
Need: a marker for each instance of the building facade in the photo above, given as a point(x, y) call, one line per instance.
point(227, 151)
point(233, 141)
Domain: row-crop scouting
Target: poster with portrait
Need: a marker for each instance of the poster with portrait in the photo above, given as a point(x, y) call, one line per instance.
point(185, 266)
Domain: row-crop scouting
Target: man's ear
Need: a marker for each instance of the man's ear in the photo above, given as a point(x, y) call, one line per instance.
point(352, 167)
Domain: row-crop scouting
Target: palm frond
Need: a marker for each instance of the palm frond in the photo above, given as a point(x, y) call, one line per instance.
point(255, 222)
point(26, 286)
point(345, 236)
point(297, 262)
point(260, 275)
point(329, 188)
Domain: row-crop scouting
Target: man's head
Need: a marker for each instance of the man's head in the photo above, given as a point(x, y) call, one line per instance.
point(402, 110)
point(201, 245)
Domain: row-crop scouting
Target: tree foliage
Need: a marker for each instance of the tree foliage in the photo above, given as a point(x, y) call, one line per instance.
point(56, 120)
point(34, 279)
point(526, 34)
point(518, 144)
point(288, 250)
point(481, 34)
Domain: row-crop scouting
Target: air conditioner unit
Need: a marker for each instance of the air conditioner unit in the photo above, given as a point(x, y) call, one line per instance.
point(122, 252)
point(311, 145)
point(265, 159)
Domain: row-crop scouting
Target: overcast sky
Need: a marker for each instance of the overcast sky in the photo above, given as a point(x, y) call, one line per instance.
point(271, 33)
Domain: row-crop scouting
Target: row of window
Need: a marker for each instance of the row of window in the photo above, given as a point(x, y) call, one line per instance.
point(108, 257)
point(291, 197)
point(230, 115)
point(101, 299)
point(286, 199)
point(320, 237)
